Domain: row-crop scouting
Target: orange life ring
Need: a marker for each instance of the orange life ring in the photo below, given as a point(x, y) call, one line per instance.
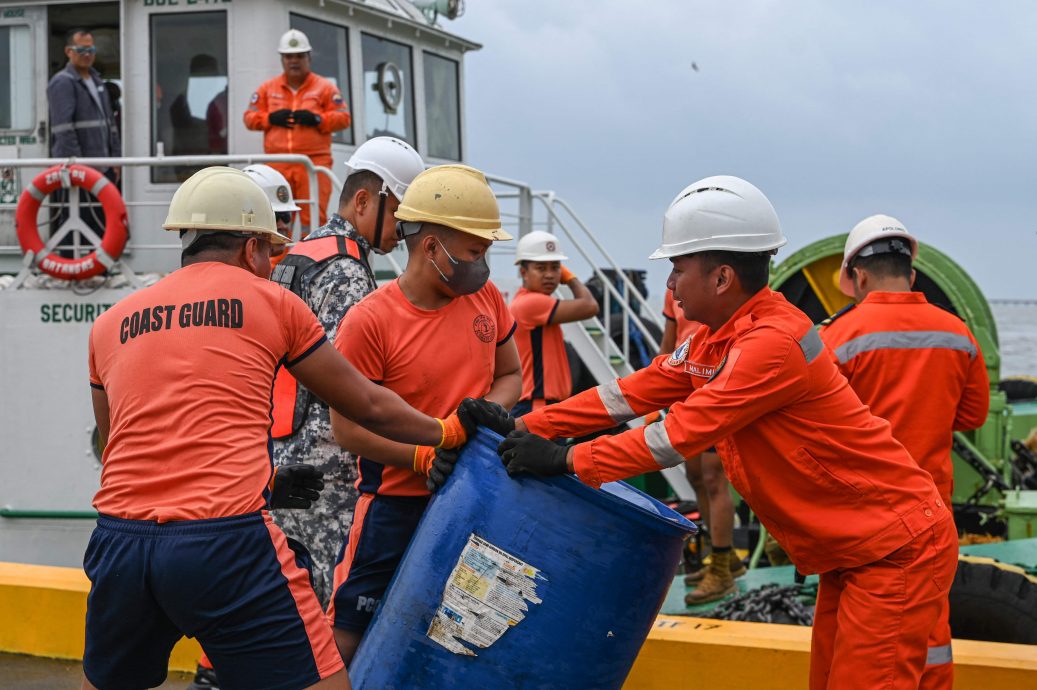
point(114, 240)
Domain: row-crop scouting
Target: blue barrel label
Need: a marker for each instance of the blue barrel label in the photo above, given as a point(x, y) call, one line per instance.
point(486, 594)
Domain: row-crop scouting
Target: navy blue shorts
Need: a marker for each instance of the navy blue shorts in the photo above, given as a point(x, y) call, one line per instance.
point(382, 529)
point(232, 583)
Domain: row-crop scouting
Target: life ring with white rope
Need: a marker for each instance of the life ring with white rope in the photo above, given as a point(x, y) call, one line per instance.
point(102, 257)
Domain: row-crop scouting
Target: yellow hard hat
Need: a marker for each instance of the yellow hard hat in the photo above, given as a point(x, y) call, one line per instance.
point(223, 199)
point(456, 196)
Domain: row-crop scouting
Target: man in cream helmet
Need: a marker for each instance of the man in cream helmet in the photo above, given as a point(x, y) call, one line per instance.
point(330, 271)
point(180, 375)
point(823, 474)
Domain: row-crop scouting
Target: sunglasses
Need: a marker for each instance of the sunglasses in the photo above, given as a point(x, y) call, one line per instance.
point(284, 217)
point(84, 50)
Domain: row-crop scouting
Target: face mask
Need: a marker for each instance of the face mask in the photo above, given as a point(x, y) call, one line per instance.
point(468, 276)
point(377, 244)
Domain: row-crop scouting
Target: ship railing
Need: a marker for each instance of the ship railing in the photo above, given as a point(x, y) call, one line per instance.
point(312, 172)
point(619, 293)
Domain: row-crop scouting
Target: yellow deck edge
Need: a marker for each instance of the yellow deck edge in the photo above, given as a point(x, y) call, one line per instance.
point(684, 652)
point(43, 613)
point(37, 604)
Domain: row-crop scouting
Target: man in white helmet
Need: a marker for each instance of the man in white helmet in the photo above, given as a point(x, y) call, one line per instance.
point(298, 111)
point(822, 473)
point(180, 376)
point(893, 346)
point(545, 365)
point(329, 270)
point(279, 192)
point(438, 334)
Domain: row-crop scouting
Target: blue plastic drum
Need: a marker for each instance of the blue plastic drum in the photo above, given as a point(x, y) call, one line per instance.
point(522, 583)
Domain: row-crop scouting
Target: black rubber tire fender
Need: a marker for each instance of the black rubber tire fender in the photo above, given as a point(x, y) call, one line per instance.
point(993, 602)
point(1018, 388)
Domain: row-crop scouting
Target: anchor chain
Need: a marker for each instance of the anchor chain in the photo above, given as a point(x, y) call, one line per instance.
point(769, 604)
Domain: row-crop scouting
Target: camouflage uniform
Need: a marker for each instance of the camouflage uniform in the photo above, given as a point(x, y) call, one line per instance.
point(330, 291)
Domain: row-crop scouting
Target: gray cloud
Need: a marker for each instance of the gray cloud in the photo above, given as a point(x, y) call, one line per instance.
point(836, 110)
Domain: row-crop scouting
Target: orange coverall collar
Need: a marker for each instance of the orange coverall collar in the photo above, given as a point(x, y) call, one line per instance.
point(878, 297)
point(741, 321)
point(283, 81)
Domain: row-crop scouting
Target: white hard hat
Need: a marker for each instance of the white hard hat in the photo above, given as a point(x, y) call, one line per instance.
point(293, 41)
point(538, 246)
point(873, 229)
point(223, 199)
point(719, 213)
point(276, 187)
point(392, 159)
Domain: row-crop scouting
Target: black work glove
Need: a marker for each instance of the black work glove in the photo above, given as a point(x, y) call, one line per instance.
point(522, 451)
point(442, 467)
point(281, 118)
point(477, 411)
point(296, 486)
point(306, 118)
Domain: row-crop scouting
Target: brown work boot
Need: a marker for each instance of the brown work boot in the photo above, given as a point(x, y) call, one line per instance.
point(695, 576)
point(717, 583)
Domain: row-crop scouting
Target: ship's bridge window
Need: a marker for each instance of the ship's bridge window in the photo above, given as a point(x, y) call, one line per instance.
point(388, 89)
point(329, 59)
point(189, 88)
point(16, 84)
point(442, 107)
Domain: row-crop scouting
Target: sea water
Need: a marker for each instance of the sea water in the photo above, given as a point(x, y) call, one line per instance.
point(1017, 332)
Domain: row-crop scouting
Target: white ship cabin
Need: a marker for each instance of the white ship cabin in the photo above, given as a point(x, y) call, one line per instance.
point(184, 71)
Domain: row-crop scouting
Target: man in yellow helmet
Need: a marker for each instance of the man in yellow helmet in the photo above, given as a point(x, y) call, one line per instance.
point(437, 335)
point(181, 375)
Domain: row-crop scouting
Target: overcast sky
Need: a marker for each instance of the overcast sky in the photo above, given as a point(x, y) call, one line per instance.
point(837, 110)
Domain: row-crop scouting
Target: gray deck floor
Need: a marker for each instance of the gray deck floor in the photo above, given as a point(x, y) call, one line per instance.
point(21, 672)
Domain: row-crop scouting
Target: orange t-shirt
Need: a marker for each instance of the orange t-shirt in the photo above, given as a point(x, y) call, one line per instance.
point(433, 359)
point(545, 366)
point(188, 367)
point(685, 328)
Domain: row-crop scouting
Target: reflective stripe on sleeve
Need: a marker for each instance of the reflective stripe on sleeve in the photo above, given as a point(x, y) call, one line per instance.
point(659, 444)
point(81, 124)
point(811, 345)
point(937, 656)
point(904, 340)
point(615, 404)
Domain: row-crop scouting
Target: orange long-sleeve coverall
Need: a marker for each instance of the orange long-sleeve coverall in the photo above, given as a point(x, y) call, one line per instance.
point(823, 474)
point(918, 367)
point(319, 96)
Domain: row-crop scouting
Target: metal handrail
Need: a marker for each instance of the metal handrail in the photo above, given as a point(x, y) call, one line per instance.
point(312, 171)
point(526, 222)
point(615, 266)
point(610, 292)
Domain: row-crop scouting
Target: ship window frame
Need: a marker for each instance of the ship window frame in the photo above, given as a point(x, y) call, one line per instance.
point(28, 83)
point(345, 136)
point(425, 53)
point(411, 49)
point(153, 18)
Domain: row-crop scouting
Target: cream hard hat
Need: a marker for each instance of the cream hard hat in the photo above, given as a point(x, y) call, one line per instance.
point(222, 199)
point(870, 230)
point(277, 189)
point(719, 213)
point(455, 196)
point(293, 41)
point(538, 246)
point(392, 159)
